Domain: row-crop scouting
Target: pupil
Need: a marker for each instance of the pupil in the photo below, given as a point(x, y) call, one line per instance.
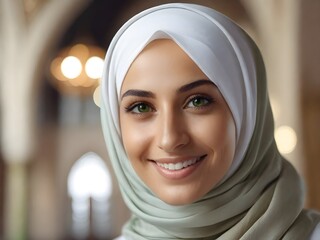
point(143, 108)
point(197, 101)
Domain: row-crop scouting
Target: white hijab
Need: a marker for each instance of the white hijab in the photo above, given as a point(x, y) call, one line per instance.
point(261, 189)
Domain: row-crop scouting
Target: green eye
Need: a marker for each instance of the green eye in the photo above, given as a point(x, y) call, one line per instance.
point(198, 102)
point(141, 108)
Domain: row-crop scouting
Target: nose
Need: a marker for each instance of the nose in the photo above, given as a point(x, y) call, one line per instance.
point(172, 132)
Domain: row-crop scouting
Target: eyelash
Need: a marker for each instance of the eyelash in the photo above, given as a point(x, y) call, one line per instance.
point(209, 100)
point(131, 107)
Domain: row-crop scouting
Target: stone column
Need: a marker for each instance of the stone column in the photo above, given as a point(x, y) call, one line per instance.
point(27, 35)
point(310, 85)
point(277, 26)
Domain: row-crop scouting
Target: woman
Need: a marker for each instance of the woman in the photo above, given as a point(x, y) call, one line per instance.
point(189, 131)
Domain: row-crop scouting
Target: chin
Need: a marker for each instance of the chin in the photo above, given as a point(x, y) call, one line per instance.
point(178, 200)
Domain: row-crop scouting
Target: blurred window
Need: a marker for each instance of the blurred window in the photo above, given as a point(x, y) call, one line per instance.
point(90, 188)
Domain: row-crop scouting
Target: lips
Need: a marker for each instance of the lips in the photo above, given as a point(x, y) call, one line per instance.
point(178, 168)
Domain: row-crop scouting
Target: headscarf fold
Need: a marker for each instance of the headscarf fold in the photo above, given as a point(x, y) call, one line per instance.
point(261, 196)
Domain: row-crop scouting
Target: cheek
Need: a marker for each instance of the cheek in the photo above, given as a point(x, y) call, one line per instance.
point(135, 138)
point(219, 137)
point(218, 133)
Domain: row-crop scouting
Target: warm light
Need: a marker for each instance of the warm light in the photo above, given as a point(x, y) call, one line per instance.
point(81, 51)
point(93, 67)
point(97, 96)
point(71, 67)
point(286, 139)
point(275, 109)
point(77, 69)
point(55, 68)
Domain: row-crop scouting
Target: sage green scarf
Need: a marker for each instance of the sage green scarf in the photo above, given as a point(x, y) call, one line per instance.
point(261, 197)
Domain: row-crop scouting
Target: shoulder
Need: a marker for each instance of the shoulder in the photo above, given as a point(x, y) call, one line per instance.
point(315, 234)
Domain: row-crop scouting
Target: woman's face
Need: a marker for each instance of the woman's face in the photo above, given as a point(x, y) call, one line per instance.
point(176, 127)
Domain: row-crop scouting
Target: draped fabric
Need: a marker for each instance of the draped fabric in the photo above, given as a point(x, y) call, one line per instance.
point(261, 197)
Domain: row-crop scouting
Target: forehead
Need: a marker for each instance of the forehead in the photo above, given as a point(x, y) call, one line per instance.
point(162, 61)
point(162, 53)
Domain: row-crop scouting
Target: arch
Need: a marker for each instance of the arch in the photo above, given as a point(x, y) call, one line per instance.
point(236, 10)
point(90, 189)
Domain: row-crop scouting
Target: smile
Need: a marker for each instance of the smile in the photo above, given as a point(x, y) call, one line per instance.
point(180, 165)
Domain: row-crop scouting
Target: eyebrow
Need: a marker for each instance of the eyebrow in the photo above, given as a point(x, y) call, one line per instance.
point(194, 84)
point(138, 93)
point(184, 88)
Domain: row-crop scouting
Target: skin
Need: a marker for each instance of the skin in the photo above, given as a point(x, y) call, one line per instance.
point(170, 112)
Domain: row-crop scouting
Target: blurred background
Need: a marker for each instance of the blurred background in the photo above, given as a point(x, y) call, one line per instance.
point(55, 178)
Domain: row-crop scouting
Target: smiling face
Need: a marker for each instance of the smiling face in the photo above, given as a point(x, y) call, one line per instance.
point(176, 127)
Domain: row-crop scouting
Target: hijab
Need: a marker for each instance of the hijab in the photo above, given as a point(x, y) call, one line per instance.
point(261, 196)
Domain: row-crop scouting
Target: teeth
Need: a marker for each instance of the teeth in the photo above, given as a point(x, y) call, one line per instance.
point(179, 165)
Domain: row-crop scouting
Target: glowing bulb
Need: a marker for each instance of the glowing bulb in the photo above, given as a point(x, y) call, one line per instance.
point(286, 139)
point(97, 96)
point(71, 67)
point(93, 67)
